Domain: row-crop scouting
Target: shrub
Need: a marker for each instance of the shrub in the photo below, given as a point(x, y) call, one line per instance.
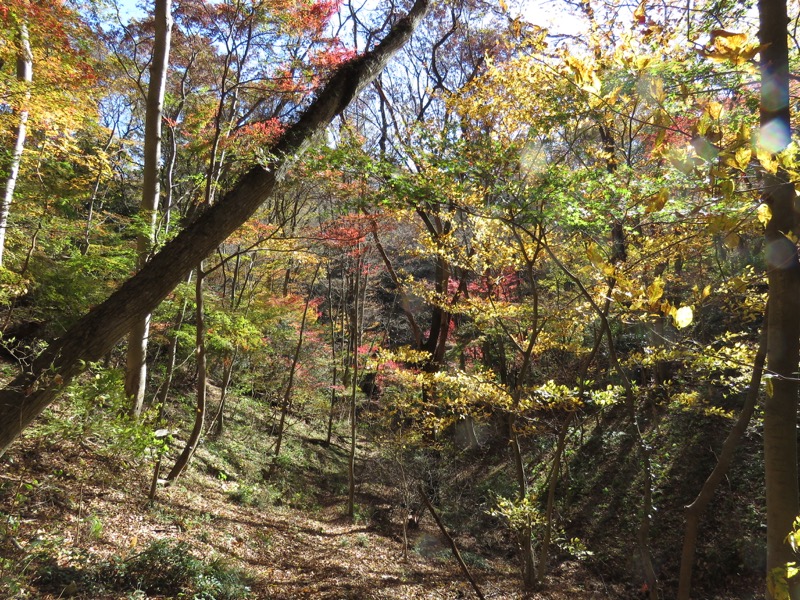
point(165, 568)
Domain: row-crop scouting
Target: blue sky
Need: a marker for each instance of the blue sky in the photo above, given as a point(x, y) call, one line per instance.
point(547, 13)
point(129, 8)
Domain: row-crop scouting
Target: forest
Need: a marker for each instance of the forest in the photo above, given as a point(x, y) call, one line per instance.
point(333, 299)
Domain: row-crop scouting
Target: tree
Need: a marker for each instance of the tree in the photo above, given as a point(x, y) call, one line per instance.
point(136, 369)
point(783, 319)
point(97, 332)
point(50, 109)
point(11, 168)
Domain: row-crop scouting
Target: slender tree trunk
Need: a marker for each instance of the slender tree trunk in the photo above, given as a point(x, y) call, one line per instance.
point(355, 336)
point(200, 409)
point(136, 367)
point(552, 482)
point(694, 511)
point(169, 182)
point(333, 399)
point(91, 337)
point(783, 275)
point(544, 552)
point(11, 170)
point(217, 426)
point(163, 392)
point(334, 358)
point(95, 193)
point(525, 534)
point(453, 547)
point(287, 395)
point(643, 531)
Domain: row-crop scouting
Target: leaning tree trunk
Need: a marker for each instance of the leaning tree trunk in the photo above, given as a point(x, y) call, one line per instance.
point(136, 367)
point(783, 321)
point(98, 331)
point(694, 511)
point(24, 76)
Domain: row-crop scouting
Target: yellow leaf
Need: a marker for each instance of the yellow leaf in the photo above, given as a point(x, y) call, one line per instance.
point(657, 89)
point(655, 290)
point(743, 155)
point(727, 40)
point(767, 159)
point(744, 135)
point(706, 291)
point(714, 110)
point(503, 6)
point(515, 27)
point(764, 214)
point(639, 13)
point(769, 388)
point(594, 255)
point(726, 45)
point(683, 317)
point(787, 158)
point(612, 97)
point(658, 201)
point(727, 187)
point(732, 241)
point(585, 76)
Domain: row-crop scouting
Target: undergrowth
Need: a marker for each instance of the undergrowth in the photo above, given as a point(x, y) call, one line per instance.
point(166, 567)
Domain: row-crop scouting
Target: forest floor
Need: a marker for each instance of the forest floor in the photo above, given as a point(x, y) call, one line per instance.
point(66, 509)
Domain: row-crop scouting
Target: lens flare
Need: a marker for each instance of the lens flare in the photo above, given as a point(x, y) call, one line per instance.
point(775, 136)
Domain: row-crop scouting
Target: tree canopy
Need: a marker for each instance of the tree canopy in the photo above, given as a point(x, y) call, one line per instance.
point(484, 254)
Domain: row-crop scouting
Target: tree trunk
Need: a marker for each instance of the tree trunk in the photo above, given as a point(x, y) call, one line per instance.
point(783, 276)
point(97, 332)
point(451, 542)
point(695, 510)
point(525, 534)
point(217, 426)
point(334, 358)
point(544, 551)
point(24, 75)
point(287, 395)
point(163, 392)
point(200, 409)
point(136, 367)
point(552, 481)
point(355, 337)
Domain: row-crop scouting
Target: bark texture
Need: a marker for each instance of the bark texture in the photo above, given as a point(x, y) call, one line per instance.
point(136, 368)
point(99, 330)
point(24, 76)
point(783, 275)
